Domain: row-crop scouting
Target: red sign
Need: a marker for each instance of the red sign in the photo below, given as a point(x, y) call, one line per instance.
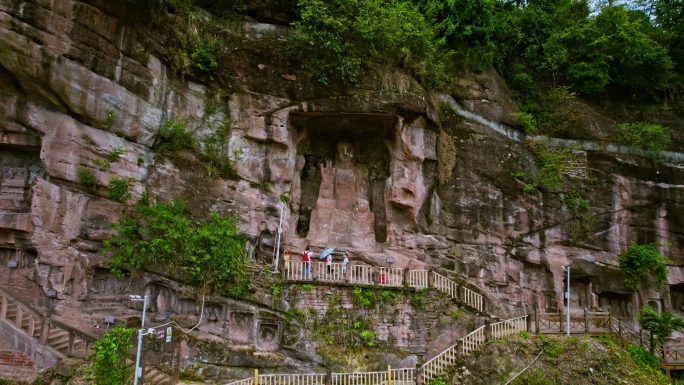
point(161, 334)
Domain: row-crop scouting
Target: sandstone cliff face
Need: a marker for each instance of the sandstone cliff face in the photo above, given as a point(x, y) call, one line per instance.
point(81, 79)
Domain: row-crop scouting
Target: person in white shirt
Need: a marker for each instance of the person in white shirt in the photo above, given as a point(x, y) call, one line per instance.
point(345, 261)
point(328, 262)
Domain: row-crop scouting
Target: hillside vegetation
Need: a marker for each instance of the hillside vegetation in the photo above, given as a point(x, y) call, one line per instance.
point(564, 360)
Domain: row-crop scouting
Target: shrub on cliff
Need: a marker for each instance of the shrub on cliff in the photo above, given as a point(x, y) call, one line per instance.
point(161, 236)
point(109, 358)
point(642, 261)
point(335, 39)
point(648, 136)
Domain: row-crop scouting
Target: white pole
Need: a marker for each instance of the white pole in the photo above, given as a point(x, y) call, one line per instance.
point(138, 370)
point(280, 231)
point(567, 293)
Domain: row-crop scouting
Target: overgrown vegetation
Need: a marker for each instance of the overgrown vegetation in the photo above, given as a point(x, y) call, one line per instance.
point(643, 263)
point(207, 253)
point(108, 359)
point(648, 136)
point(563, 360)
point(212, 149)
point(660, 325)
point(336, 39)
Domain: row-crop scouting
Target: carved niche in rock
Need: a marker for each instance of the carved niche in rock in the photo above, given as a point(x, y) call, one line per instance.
point(677, 298)
point(14, 189)
point(619, 304)
point(240, 325)
point(341, 172)
point(268, 335)
point(342, 215)
point(160, 300)
point(107, 283)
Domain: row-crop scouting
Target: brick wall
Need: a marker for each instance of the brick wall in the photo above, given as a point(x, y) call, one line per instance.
point(15, 340)
point(15, 365)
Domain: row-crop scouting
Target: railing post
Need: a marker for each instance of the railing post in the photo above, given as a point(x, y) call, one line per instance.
point(431, 278)
point(328, 378)
point(31, 326)
point(586, 320)
point(19, 317)
point(560, 318)
point(610, 318)
point(641, 337)
point(389, 375)
point(256, 376)
point(459, 349)
point(488, 331)
point(620, 327)
point(88, 347)
point(44, 331)
point(3, 309)
point(536, 319)
point(419, 375)
point(70, 348)
point(406, 277)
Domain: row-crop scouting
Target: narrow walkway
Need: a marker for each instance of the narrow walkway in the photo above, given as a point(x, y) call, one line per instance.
point(603, 323)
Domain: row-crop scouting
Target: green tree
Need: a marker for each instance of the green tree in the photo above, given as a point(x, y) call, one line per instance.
point(337, 39)
point(207, 253)
point(660, 326)
point(107, 361)
point(640, 262)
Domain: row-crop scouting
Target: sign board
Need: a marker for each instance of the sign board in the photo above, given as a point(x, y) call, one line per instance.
point(12, 264)
point(160, 334)
point(168, 334)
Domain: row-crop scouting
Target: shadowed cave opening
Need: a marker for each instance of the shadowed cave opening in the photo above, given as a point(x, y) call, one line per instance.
point(370, 139)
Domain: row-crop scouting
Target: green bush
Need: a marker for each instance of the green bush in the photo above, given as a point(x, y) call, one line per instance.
point(88, 178)
point(648, 136)
point(204, 57)
point(108, 359)
point(118, 189)
point(643, 261)
point(210, 252)
point(642, 357)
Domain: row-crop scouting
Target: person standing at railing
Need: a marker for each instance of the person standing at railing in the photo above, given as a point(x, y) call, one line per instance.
point(328, 263)
point(306, 262)
point(345, 261)
point(286, 263)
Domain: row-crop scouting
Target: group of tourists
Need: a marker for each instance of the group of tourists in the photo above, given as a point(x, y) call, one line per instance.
point(307, 257)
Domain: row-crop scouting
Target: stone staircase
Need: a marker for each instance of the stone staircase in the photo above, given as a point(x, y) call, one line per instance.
point(62, 340)
point(430, 370)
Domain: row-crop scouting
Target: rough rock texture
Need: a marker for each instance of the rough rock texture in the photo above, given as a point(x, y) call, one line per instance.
point(81, 79)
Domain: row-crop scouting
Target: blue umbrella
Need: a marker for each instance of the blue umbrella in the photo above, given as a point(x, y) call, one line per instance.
point(326, 252)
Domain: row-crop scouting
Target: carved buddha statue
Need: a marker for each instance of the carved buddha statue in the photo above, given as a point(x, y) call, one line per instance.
point(342, 215)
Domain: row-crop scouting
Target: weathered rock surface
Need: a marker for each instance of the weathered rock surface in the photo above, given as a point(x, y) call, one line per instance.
point(80, 79)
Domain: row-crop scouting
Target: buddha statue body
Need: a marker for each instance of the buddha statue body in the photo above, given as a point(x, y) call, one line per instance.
point(342, 215)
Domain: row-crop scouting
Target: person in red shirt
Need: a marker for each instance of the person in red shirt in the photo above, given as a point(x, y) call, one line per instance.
point(306, 262)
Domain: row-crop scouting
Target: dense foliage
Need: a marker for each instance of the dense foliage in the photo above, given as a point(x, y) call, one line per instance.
point(627, 49)
point(336, 38)
point(640, 262)
point(162, 236)
point(648, 136)
point(660, 325)
point(108, 359)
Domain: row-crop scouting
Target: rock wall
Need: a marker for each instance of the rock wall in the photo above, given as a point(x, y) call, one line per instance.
point(83, 79)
